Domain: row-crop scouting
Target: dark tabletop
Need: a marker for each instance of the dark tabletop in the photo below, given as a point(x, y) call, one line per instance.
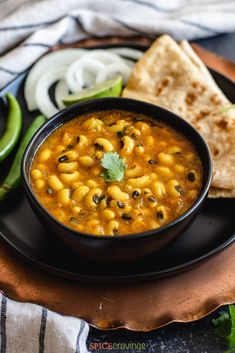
point(197, 337)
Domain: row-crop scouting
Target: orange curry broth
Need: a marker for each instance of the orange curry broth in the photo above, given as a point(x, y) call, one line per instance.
point(162, 180)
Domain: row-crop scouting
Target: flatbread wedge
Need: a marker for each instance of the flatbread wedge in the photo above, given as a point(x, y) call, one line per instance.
point(173, 76)
point(215, 193)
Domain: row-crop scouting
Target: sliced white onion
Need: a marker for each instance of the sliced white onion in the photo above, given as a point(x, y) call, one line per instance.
point(110, 70)
point(61, 91)
point(75, 69)
point(54, 59)
point(75, 77)
point(43, 100)
point(103, 55)
point(129, 53)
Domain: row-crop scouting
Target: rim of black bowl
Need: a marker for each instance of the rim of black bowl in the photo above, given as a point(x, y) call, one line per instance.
point(93, 102)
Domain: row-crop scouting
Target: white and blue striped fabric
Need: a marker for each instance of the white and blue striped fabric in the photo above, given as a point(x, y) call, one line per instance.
point(39, 24)
point(31, 27)
point(30, 328)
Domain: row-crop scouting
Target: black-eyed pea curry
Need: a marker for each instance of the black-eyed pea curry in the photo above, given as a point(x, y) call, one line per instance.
point(115, 173)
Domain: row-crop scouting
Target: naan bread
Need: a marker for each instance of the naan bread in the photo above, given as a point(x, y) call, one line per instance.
point(172, 76)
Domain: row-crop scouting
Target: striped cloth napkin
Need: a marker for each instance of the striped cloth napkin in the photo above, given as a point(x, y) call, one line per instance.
point(30, 328)
point(39, 24)
point(32, 27)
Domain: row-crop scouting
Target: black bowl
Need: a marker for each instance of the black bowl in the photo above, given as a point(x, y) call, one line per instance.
point(127, 247)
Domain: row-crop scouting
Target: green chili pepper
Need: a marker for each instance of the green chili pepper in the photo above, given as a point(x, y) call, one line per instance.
point(14, 176)
point(13, 127)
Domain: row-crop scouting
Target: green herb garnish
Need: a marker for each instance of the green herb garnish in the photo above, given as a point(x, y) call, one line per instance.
point(226, 108)
point(225, 326)
point(114, 166)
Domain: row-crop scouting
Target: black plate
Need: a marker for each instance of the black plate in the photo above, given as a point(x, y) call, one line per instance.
point(211, 232)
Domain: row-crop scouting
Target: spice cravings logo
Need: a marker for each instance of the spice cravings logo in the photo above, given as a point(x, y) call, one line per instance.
point(119, 346)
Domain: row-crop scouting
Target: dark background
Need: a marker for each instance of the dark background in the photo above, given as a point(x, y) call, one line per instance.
point(197, 337)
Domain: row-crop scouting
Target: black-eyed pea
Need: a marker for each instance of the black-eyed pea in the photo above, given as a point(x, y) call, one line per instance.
point(164, 172)
point(70, 155)
point(138, 222)
point(128, 208)
point(128, 188)
point(117, 194)
point(180, 169)
point(161, 213)
point(108, 215)
point(55, 183)
point(136, 193)
point(92, 223)
point(154, 224)
point(40, 184)
point(98, 154)
point(92, 198)
point(146, 212)
point(128, 144)
point(67, 167)
point(60, 214)
point(81, 142)
point(120, 207)
point(44, 155)
point(63, 196)
point(77, 184)
point(36, 174)
point(112, 228)
point(93, 217)
point(79, 227)
point(146, 191)
point(98, 230)
point(174, 149)
point(91, 183)
point(42, 166)
point(174, 189)
point(69, 178)
point(149, 142)
point(165, 158)
point(119, 126)
point(93, 124)
point(143, 127)
point(158, 189)
point(76, 210)
point(152, 201)
point(103, 144)
point(103, 204)
point(193, 176)
point(136, 171)
point(138, 182)
point(152, 177)
point(135, 132)
point(113, 203)
point(67, 138)
point(86, 161)
point(79, 193)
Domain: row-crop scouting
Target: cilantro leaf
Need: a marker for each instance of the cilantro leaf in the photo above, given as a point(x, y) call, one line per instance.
point(225, 327)
point(231, 337)
point(114, 166)
point(222, 325)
